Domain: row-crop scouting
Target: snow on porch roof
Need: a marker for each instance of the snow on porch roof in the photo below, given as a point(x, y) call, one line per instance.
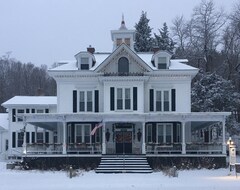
point(31, 100)
point(4, 121)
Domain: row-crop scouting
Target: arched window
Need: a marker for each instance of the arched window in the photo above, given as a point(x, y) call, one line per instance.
point(123, 65)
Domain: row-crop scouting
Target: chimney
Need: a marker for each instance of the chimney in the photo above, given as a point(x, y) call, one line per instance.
point(91, 49)
point(155, 49)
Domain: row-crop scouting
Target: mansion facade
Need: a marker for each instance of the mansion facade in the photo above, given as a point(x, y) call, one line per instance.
point(122, 102)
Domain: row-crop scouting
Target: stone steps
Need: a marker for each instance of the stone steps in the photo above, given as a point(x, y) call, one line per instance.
point(123, 164)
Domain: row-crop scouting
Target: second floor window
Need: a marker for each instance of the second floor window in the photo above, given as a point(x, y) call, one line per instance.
point(123, 99)
point(86, 101)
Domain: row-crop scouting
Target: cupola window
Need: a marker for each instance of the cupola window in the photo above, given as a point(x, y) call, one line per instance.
point(118, 42)
point(123, 65)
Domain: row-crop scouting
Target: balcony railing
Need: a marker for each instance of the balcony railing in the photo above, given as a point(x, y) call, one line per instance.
point(84, 148)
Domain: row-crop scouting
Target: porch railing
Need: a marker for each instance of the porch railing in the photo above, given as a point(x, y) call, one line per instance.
point(72, 148)
point(204, 148)
point(156, 148)
point(44, 148)
point(84, 148)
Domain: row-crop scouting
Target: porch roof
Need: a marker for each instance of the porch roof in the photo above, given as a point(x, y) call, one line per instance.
point(50, 121)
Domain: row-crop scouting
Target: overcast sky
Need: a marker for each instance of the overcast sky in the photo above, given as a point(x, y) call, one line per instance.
point(46, 31)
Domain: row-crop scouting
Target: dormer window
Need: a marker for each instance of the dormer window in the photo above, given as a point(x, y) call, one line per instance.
point(162, 62)
point(84, 63)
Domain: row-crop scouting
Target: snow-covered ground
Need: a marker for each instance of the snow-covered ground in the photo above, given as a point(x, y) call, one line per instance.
point(187, 180)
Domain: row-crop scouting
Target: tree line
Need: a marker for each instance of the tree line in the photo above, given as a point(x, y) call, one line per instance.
point(23, 79)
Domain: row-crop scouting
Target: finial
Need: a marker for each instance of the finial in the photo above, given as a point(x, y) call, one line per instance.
point(123, 27)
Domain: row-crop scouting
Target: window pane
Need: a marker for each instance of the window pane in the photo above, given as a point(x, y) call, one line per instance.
point(78, 134)
point(162, 66)
point(89, 101)
point(149, 133)
point(127, 99)
point(81, 103)
point(84, 60)
point(158, 101)
point(168, 133)
point(87, 133)
point(84, 66)
point(127, 41)
point(20, 139)
point(119, 41)
point(162, 60)
point(119, 99)
point(160, 134)
point(39, 137)
point(166, 101)
point(123, 65)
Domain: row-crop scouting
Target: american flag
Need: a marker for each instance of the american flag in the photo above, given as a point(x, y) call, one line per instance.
point(96, 127)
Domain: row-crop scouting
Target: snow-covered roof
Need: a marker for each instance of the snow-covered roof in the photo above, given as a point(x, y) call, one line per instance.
point(4, 121)
point(31, 100)
point(175, 64)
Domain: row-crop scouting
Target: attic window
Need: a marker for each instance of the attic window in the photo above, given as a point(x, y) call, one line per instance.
point(162, 62)
point(84, 63)
point(123, 65)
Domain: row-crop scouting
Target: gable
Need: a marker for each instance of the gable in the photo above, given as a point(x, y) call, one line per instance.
point(119, 57)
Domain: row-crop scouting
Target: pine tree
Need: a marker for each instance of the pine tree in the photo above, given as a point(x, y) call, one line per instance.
point(163, 41)
point(143, 40)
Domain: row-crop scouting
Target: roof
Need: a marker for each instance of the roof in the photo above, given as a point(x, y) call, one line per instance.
point(4, 121)
point(31, 100)
point(175, 64)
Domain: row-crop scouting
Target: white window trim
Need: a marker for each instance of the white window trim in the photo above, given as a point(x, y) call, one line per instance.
point(123, 98)
point(85, 101)
point(164, 131)
point(82, 126)
point(162, 100)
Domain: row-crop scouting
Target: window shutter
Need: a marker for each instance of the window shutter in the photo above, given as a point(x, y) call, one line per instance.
point(14, 139)
point(46, 110)
point(112, 106)
point(154, 132)
point(74, 101)
point(13, 115)
point(135, 100)
point(151, 97)
point(33, 137)
point(96, 101)
point(173, 99)
point(46, 137)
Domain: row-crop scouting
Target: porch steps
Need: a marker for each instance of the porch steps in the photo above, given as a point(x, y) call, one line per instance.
point(123, 164)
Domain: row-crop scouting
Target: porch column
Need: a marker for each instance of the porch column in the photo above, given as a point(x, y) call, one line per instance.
point(143, 139)
point(224, 149)
point(103, 139)
point(64, 151)
point(24, 137)
point(183, 138)
point(36, 130)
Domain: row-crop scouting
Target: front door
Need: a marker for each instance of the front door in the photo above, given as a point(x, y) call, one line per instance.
point(123, 142)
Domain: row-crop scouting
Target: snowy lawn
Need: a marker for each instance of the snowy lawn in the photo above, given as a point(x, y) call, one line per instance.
point(187, 180)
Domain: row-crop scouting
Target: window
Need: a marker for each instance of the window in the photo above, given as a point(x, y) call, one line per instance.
point(149, 133)
point(127, 41)
point(89, 101)
point(162, 101)
point(81, 101)
point(20, 139)
point(119, 99)
point(123, 65)
point(164, 133)
point(127, 99)
point(39, 111)
point(82, 132)
point(124, 94)
point(118, 42)
point(20, 112)
point(162, 62)
point(39, 137)
point(84, 63)
point(86, 101)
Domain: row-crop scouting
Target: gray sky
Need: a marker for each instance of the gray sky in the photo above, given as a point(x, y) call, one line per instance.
point(45, 31)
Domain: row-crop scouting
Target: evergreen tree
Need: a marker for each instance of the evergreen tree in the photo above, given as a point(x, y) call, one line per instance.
point(163, 40)
point(143, 40)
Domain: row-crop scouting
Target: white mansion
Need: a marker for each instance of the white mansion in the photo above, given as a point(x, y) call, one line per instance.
point(141, 103)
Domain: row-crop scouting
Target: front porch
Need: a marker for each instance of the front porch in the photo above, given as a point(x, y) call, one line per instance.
point(178, 134)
